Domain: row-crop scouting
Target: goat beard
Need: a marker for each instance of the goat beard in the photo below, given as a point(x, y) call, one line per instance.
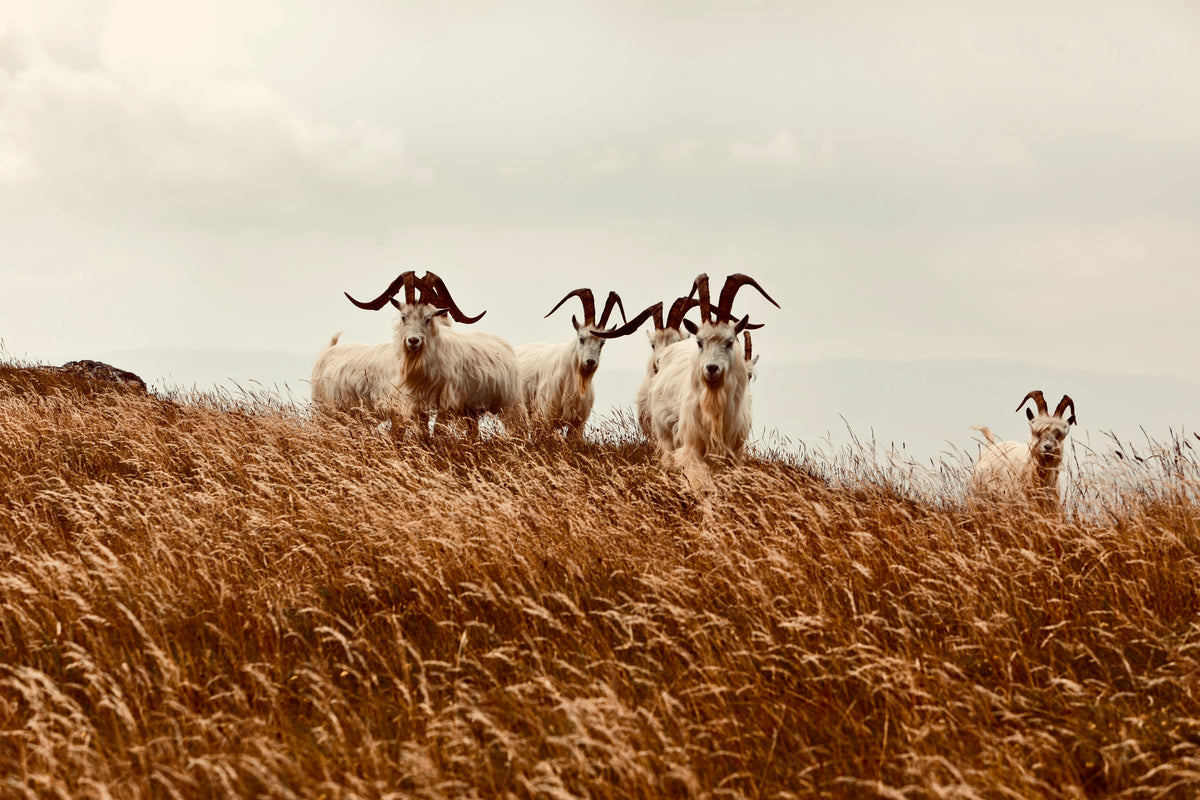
point(584, 381)
point(714, 403)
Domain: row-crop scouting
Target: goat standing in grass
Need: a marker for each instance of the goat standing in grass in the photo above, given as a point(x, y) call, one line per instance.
point(556, 379)
point(699, 409)
point(663, 336)
point(428, 367)
point(1025, 470)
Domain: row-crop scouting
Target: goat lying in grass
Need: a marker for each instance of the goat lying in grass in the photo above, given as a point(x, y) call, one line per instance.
point(1025, 470)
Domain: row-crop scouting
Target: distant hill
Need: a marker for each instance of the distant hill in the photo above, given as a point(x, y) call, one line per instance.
point(921, 408)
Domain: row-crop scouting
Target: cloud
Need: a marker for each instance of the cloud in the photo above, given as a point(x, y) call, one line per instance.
point(779, 149)
point(782, 150)
point(612, 161)
point(680, 153)
point(188, 146)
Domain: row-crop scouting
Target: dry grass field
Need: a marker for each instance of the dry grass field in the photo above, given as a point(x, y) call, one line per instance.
point(210, 598)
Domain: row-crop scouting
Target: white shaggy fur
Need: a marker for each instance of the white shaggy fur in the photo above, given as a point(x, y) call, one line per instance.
point(457, 374)
point(556, 379)
point(556, 388)
point(358, 377)
point(428, 367)
point(698, 405)
point(1025, 470)
point(660, 340)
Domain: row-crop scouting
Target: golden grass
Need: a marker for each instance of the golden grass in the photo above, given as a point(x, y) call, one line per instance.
point(206, 598)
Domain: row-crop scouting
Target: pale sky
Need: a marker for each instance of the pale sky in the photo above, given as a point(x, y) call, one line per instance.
point(938, 180)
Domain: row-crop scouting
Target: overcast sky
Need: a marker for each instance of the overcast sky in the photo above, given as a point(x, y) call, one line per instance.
point(909, 180)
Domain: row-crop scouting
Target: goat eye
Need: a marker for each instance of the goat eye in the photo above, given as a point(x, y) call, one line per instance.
point(700, 344)
point(729, 344)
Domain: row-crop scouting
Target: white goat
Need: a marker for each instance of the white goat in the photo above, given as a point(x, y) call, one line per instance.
point(556, 379)
point(427, 368)
point(1025, 470)
point(662, 337)
point(699, 409)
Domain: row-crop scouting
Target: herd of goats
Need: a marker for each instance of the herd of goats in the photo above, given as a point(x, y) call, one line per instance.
point(692, 402)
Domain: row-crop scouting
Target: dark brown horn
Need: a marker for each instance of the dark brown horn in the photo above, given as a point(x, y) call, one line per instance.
point(1036, 394)
point(680, 307)
point(442, 299)
point(749, 345)
point(589, 305)
point(614, 300)
point(405, 280)
point(632, 325)
point(1063, 404)
point(700, 289)
point(730, 290)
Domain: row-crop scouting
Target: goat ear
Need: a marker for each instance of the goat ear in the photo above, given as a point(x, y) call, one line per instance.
point(1029, 413)
point(1071, 420)
point(575, 323)
point(692, 328)
point(741, 325)
point(441, 312)
point(393, 302)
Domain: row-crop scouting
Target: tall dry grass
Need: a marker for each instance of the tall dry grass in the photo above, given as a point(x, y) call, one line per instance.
point(209, 598)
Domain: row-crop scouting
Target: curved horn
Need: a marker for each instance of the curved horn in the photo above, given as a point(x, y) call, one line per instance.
point(614, 299)
point(405, 280)
point(730, 290)
point(589, 305)
point(1062, 406)
point(700, 289)
point(442, 299)
point(635, 323)
point(1036, 394)
point(680, 307)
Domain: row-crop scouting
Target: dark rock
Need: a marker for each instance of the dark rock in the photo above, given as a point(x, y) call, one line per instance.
point(84, 377)
point(101, 372)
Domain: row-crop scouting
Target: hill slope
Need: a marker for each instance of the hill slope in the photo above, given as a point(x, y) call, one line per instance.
point(206, 599)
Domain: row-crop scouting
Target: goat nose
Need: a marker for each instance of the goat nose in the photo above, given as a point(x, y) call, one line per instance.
point(712, 369)
point(414, 341)
point(590, 363)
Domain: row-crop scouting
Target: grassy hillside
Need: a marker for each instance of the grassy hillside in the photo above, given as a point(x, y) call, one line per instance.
point(208, 599)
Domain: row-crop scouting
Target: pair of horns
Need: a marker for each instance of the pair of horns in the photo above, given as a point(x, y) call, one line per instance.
point(1040, 402)
point(724, 309)
point(674, 318)
point(589, 307)
point(433, 292)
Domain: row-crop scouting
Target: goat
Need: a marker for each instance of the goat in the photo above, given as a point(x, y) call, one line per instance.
point(699, 410)
point(1029, 470)
point(556, 379)
point(429, 367)
point(662, 337)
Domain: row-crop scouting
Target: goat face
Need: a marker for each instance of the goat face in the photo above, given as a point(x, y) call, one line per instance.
point(718, 356)
point(416, 325)
point(587, 348)
point(1048, 435)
